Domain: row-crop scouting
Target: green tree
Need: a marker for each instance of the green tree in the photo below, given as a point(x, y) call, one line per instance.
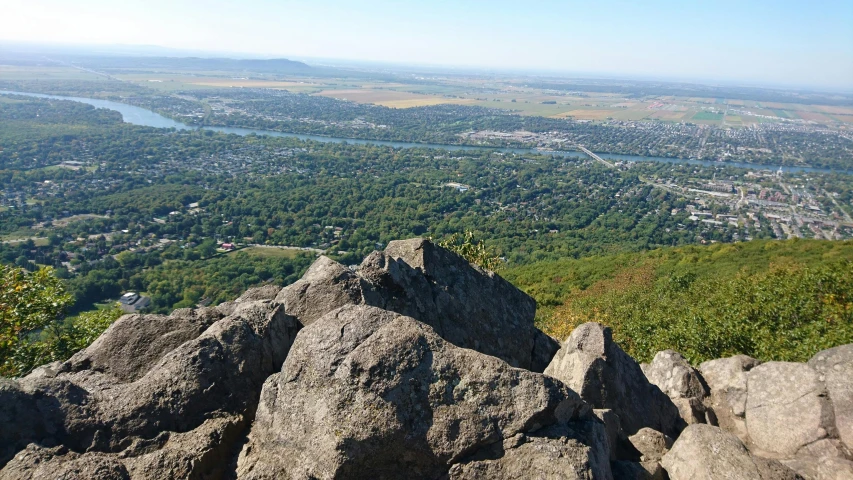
point(60, 340)
point(29, 301)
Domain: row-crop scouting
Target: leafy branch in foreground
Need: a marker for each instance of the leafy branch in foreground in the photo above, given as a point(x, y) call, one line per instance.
point(29, 301)
point(60, 340)
point(32, 332)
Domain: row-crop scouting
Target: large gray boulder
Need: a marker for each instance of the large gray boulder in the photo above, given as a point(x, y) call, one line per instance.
point(46, 415)
point(265, 292)
point(705, 452)
point(186, 406)
point(325, 286)
point(593, 365)
point(821, 468)
point(468, 306)
point(558, 451)
point(134, 343)
point(684, 385)
point(651, 444)
point(726, 378)
point(197, 454)
point(836, 367)
point(366, 392)
point(59, 463)
point(786, 407)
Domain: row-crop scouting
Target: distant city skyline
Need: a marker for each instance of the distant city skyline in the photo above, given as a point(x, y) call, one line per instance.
point(778, 43)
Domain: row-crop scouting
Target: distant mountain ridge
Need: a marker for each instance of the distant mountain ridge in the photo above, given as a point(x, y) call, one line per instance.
point(277, 65)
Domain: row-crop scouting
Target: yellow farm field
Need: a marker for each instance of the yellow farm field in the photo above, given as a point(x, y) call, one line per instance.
point(589, 114)
point(814, 116)
point(225, 82)
point(784, 106)
point(391, 98)
point(836, 110)
point(169, 82)
point(633, 114)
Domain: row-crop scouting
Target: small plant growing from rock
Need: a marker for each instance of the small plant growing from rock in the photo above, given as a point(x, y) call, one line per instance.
point(473, 250)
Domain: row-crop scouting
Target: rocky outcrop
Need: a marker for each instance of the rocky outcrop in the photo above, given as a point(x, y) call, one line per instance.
point(414, 365)
point(835, 367)
point(60, 463)
point(199, 453)
point(559, 451)
point(466, 305)
point(190, 403)
point(174, 396)
point(793, 412)
point(786, 407)
point(370, 393)
point(821, 468)
point(130, 347)
point(591, 363)
point(707, 452)
point(651, 444)
point(325, 286)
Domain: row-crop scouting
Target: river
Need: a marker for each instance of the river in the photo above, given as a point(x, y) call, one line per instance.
point(142, 116)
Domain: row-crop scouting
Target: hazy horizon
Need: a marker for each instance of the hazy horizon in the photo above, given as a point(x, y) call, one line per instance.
point(762, 43)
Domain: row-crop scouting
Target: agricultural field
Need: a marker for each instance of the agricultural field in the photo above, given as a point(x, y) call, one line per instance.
point(391, 98)
point(814, 116)
point(668, 116)
point(13, 72)
point(507, 93)
point(707, 116)
point(733, 120)
point(191, 82)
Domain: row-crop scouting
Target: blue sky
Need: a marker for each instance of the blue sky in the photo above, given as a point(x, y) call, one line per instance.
point(807, 43)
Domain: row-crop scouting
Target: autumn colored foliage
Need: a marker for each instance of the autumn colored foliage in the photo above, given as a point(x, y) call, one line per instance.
point(768, 299)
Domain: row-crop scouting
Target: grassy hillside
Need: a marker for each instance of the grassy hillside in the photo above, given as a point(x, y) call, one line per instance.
point(774, 300)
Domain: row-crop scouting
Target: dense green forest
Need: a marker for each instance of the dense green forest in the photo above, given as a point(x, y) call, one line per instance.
point(105, 202)
point(773, 300)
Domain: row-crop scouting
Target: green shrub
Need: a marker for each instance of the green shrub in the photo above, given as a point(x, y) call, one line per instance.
point(789, 313)
point(773, 300)
point(32, 331)
point(29, 301)
point(60, 340)
point(473, 250)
